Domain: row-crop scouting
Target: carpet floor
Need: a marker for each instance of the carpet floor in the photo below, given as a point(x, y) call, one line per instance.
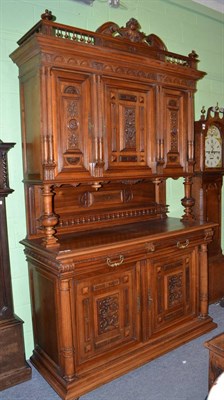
point(181, 374)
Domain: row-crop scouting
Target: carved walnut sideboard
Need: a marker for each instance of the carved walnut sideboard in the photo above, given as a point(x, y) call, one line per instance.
point(107, 117)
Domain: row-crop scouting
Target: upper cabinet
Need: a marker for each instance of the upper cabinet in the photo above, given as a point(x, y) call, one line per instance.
point(103, 112)
point(90, 110)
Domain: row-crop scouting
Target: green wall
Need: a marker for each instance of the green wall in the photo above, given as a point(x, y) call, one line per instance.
point(183, 26)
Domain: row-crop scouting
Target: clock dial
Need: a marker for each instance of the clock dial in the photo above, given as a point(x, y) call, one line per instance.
point(213, 148)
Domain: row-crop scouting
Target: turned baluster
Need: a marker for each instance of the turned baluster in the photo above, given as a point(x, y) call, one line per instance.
point(188, 201)
point(159, 190)
point(49, 219)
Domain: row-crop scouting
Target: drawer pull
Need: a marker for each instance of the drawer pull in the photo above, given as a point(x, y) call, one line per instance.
point(115, 264)
point(183, 245)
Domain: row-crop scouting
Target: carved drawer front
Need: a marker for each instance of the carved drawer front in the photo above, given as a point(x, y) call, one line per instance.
point(175, 288)
point(107, 313)
point(129, 123)
point(71, 114)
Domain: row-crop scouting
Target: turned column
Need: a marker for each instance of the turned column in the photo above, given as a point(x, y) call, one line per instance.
point(49, 219)
point(188, 201)
point(66, 341)
point(203, 265)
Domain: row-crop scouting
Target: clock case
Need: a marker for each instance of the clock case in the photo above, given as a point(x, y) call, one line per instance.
point(13, 366)
point(207, 192)
point(213, 148)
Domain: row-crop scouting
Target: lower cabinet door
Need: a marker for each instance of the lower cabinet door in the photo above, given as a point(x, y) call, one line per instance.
point(107, 314)
point(174, 283)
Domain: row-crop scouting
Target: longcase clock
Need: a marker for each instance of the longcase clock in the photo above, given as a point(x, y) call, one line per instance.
point(13, 367)
point(207, 188)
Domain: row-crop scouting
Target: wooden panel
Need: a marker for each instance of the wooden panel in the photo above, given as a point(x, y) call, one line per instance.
point(107, 314)
point(44, 306)
point(71, 116)
point(130, 107)
point(31, 120)
point(174, 287)
point(175, 127)
point(83, 206)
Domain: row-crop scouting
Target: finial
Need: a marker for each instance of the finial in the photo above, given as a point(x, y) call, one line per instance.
point(203, 111)
point(193, 55)
point(48, 16)
point(216, 108)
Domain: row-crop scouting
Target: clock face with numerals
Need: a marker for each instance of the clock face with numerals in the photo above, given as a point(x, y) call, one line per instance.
point(213, 148)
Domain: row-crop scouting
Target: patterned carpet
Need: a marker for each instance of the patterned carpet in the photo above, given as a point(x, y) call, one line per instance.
point(181, 374)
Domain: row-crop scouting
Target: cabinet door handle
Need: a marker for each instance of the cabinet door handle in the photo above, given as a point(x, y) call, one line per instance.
point(115, 264)
point(183, 245)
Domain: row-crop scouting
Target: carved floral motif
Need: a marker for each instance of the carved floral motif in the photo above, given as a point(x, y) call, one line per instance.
point(93, 65)
point(130, 129)
point(175, 289)
point(108, 313)
point(72, 124)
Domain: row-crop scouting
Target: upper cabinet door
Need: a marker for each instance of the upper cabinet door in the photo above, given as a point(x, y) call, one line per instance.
point(175, 144)
point(71, 122)
point(129, 128)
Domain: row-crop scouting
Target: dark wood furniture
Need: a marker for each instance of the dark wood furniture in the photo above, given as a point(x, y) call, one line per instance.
point(13, 367)
point(216, 357)
point(107, 116)
point(207, 189)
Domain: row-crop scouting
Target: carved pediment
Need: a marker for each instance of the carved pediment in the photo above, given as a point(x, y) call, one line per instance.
point(131, 32)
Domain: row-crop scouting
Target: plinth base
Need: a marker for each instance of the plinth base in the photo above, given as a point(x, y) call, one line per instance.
point(90, 380)
point(13, 367)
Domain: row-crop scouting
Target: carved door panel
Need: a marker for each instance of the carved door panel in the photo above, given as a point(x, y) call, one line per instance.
point(174, 289)
point(71, 121)
point(130, 131)
point(174, 144)
point(107, 313)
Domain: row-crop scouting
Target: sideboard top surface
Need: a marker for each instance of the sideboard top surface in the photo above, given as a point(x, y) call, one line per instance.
point(112, 237)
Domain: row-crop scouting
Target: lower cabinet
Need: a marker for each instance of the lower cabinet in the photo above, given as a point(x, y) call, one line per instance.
point(101, 311)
